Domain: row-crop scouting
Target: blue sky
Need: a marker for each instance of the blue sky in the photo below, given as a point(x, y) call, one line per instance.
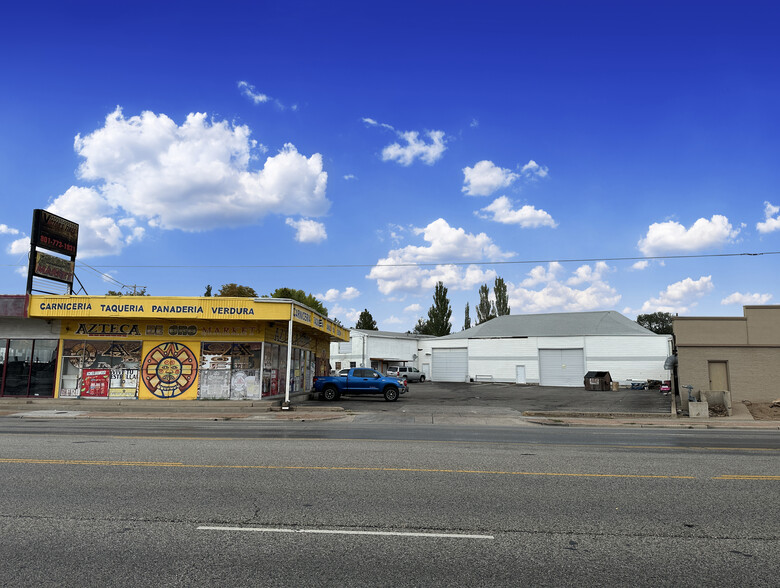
point(367, 151)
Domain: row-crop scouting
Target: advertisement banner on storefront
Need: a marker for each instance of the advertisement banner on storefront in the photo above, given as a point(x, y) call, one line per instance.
point(95, 383)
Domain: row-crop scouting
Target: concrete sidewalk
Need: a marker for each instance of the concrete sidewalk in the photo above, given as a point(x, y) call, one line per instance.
point(304, 410)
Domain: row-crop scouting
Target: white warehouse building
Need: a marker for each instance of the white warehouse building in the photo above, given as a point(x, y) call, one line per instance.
point(376, 349)
point(547, 349)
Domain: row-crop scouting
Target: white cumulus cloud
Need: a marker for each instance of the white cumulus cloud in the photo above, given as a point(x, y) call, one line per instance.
point(348, 316)
point(534, 171)
point(413, 147)
point(416, 148)
point(671, 236)
point(485, 178)
point(771, 220)
point(103, 227)
point(307, 230)
point(746, 299)
point(195, 176)
point(398, 272)
point(640, 265)
point(334, 294)
point(413, 308)
point(679, 297)
point(527, 216)
point(6, 230)
point(545, 291)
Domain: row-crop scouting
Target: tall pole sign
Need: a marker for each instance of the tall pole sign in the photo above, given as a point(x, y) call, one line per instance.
point(58, 235)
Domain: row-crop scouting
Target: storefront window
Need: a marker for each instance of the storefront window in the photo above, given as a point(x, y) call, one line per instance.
point(230, 370)
point(17, 369)
point(27, 367)
point(100, 369)
point(44, 368)
point(274, 369)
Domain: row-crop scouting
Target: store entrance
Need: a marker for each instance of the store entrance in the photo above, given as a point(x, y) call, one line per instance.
point(28, 367)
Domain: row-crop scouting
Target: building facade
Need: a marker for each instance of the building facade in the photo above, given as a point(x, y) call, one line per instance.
point(165, 348)
point(547, 349)
point(737, 354)
point(376, 349)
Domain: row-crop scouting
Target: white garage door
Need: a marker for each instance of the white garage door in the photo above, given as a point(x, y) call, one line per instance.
point(450, 365)
point(561, 367)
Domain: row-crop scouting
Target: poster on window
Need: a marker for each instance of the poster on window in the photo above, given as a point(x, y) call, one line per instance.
point(95, 383)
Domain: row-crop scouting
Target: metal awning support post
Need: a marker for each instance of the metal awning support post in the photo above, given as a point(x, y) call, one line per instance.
point(286, 403)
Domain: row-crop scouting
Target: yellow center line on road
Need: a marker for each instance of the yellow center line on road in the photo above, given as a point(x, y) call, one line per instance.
point(329, 468)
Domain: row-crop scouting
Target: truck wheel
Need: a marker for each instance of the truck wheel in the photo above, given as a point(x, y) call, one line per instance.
point(391, 393)
point(422, 379)
point(330, 393)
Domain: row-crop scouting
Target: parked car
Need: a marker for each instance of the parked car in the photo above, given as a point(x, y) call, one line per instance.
point(411, 374)
point(359, 381)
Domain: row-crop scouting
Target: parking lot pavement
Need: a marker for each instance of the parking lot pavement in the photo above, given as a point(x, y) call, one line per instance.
point(510, 400)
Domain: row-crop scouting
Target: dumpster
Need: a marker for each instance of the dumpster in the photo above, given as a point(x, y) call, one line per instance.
point(598, 381)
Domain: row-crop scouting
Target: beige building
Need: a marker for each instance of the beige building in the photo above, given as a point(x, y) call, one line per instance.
point(739, 354)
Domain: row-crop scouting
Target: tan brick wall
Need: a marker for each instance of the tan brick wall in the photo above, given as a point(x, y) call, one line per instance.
point(712, 330)
point(754, 372)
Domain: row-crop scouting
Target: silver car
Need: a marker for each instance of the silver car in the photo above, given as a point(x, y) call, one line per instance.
point(412, 374)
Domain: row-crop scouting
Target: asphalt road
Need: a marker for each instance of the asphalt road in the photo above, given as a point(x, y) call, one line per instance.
point(512, 398)
point(223, 503)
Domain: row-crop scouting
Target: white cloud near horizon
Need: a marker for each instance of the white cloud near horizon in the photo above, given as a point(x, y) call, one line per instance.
point(746, 299)
point(307, 230)
point(771, 220)
point(334, 294)
point(348, 316)
point(526, 216)
point(414, 147)
point(193, 177)
point(545, 291)
point(671, 236)
point(398, 272)
point(485, 178)
point(679, 297)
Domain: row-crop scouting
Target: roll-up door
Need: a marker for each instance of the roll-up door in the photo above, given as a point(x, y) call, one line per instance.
point(561, 367)
point(450, 365)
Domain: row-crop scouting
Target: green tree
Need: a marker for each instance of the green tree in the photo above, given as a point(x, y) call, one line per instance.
point(467, 320)
point(440, 312)
point(208, 290)
point(302, 297)
point(421, 328)
point(486, 310)
point(366, 321)
point(136, 292)
point(502, 299)
point(236, 290)
point(658, 322)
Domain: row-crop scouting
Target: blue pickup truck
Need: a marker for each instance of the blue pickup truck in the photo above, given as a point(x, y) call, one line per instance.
point(359, 381)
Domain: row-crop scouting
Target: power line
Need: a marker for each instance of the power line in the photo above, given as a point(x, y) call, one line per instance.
point(458, 263)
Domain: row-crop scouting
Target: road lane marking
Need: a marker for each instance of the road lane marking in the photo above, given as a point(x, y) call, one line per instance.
point(342, 532)
point(745, 477)
point(331, 468)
